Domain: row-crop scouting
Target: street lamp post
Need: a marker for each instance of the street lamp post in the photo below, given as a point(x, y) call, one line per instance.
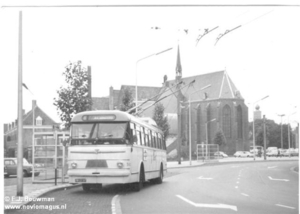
point(254, 125)
point(281, 115)
point(190, 122)
point(136, 65)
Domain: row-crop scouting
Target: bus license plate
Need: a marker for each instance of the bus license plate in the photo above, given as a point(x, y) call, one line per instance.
point(80, 180)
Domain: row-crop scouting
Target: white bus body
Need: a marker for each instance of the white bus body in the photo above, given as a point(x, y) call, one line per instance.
point(131, 151)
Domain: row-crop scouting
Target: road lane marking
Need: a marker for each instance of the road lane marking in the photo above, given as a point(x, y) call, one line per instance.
point(275, 179)
point(245, 194)
point(272, 167)
point(115, 205)
point(280, 205)
point(201, 177)
point(236, 187)
point(219, 206)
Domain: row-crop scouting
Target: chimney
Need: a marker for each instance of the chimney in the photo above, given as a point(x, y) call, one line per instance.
point(33, 104)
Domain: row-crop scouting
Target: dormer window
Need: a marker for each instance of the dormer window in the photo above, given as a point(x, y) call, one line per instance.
point(39, 121)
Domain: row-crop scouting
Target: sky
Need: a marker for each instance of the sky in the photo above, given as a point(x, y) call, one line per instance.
point(261, 56)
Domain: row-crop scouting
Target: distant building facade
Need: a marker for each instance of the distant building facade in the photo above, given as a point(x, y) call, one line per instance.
point(42, 124)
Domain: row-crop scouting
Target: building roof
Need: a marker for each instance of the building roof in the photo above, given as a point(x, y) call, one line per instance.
point(221, 87)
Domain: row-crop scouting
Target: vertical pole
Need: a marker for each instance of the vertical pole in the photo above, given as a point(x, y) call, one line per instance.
point(265, 138)
point(33, 148)
point(190, 132)
point(289, 136)
point(179, 123)
point(206, 127)
point(63, 159)
point(136, 90)
point(55, 154)
point(281, 134)
point(20, 116)
point(253, 133)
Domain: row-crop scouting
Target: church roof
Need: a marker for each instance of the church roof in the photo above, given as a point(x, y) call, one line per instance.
point(221, 87)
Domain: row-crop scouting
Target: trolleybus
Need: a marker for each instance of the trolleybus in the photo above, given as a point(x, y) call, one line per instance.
point(112, 146)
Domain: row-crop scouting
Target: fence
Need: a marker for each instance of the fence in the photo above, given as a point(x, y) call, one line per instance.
point(206, 151)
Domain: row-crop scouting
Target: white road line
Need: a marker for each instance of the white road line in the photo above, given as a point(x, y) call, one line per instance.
point(223, 206)
point(275, 179)
point(115, 205)
point(280, 205)
point(245, 194)
point(272, 167)
point(201, 177)
point(236, 187)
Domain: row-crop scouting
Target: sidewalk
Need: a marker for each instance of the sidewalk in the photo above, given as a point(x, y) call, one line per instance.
point(32, 191)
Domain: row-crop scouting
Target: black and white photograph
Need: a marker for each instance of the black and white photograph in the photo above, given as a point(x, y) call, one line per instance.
point(150, 107)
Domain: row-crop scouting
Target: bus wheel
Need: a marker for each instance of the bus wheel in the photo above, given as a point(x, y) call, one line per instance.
point(139, 185)
point(86, 187)
point(159, 180)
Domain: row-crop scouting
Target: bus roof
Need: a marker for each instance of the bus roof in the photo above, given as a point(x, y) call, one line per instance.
point(110, 116)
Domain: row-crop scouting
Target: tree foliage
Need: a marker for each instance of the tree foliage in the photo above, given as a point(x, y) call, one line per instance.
point(127, 100)
point(219, 138)
point(74, 96)
point(160, 119)
point(273, 133)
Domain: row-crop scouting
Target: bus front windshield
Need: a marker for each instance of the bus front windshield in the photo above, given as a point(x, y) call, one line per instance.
point(98, 133)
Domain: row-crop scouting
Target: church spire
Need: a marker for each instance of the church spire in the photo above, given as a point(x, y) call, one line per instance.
point(178, 65)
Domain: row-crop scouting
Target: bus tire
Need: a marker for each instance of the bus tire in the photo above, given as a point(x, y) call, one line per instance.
point(139, 185)
point(86, 187)
point(159, 180)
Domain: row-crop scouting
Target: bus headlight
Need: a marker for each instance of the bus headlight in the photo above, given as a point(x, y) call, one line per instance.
point(120, 164)
point(74, 165)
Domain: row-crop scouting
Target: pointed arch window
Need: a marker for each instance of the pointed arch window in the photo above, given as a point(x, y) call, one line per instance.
point(226, 114)
point(239, 118)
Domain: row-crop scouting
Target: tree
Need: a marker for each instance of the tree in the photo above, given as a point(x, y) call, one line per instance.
point(160, 119)
point(220, 138)
point(273, 133)
point(127, 100)
point(74, 96)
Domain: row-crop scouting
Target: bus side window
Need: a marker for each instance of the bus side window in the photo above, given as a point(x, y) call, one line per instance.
point(133, 134)
point(159, 141)
point(154, 138)
point(146, 136)
point(138, 136)
point(142, 137)
point(150, 139)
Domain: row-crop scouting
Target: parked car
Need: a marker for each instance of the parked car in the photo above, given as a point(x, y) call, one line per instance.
point(220, 154)
point(273, 153)
point(11, 167)
point(243, 154)
point(291, 153)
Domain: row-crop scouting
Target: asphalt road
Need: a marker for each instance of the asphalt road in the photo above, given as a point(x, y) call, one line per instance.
point(256, 187)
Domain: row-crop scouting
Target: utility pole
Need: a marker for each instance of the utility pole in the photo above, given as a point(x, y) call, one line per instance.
point(265, 137)
point(20, 116)
point(179, 98)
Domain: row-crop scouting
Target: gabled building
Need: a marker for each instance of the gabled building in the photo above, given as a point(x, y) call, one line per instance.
point(217, 108)
point(42, 123)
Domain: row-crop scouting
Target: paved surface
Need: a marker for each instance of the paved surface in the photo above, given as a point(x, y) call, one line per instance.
point(32, 191)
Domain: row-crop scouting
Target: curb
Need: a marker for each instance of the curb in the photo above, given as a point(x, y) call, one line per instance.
point(38, 193)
